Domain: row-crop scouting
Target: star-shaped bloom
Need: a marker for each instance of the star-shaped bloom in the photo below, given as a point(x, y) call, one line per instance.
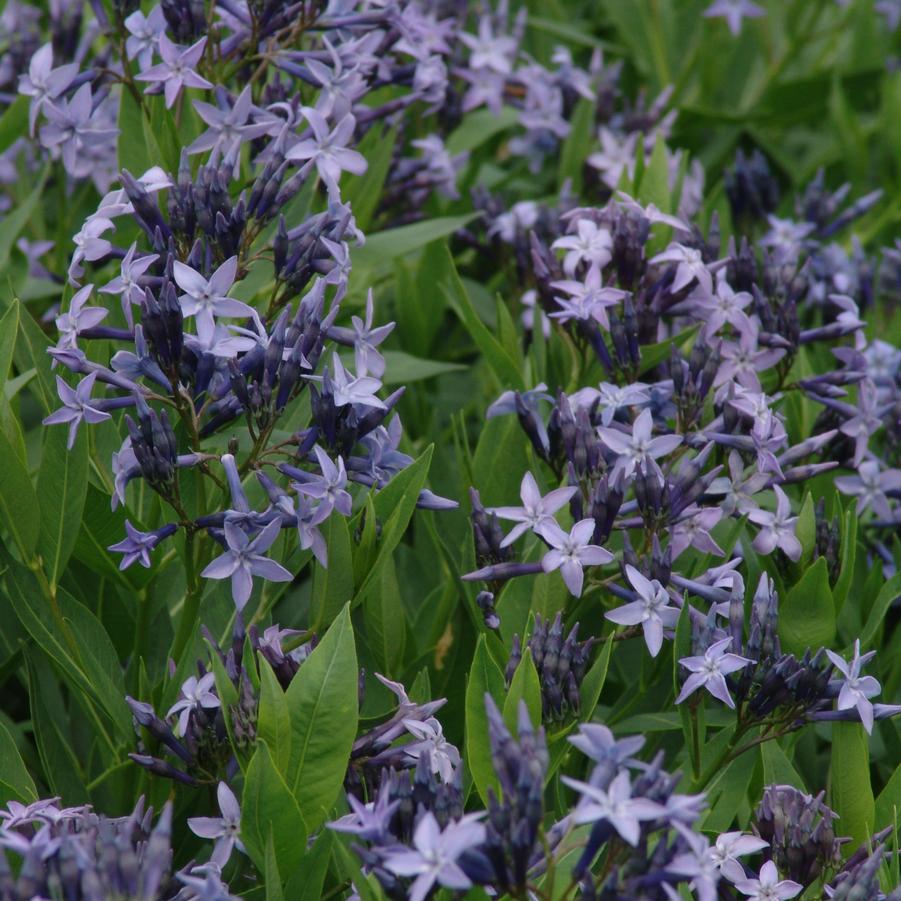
point(207, 299)
point(693, 530)
point(613, 398)
point(768, 887)
point(139, 364)
point(328, 149)
point(856, 690)
point(330, 487)
point(78, 318)
point(43, 82)
point(729, 847)
point(365, 340)
point(588, 300)
point(639, 446)
point(89, 245)
point(617, 155)
point(144, 35)
point(128, 283)
point(225, 829)
point(436, 853)
point(777, 529)
point(73, 128)
point(444, 758)
point(176, 71)
point(591, 244)
point(615, 805)
point(722, 306)
point(244, 559)
point(696, 865)
point(371, 821)
point(651, 611)
point(77, 406)
point(710, 671)
point(870, 487)
point(570, 551)
point(734, 11)
point(136, 547)
point(864, 421)
point(228, 128)
point(348, 389)
point(490, 51)
point(690, 266)
point(597, 742)
point(194, 693)
point(309, 517)
point(536, 511)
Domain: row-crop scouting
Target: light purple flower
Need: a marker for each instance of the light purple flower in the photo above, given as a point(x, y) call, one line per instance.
point(710, 671)
point(144, 35)
point(371, 821)
point(128, 282)
point(651, 611)
point(591, 244)
point(436, 853)
point(615, 805)
point(228, 128)
point(693, 530)
point(328, 149)
point(244, 559)
point(639, 446)
point(349, 389)
point(136, 547)
point(870, 486)
point(613, 398)
point(72, 128)
point(207, 299)
point(777, 529)
point(587, 300)
point(444, 758)
point(690, 266)
point(768, 887)
point(696, 865)
point(309, 517)
point(729, 847)
point(76, 406)
point(570, 551)
point(488, 50)
point(856, 690)
point(365, 340)
point(78, 318)
point(536, 511)
point(43, 82)
point(865, 420)
point(615, 157)
point(194, 693)
point(597, 742)
point(733, 11)
point(330, 486)
point(225, 829)
point(176, 71)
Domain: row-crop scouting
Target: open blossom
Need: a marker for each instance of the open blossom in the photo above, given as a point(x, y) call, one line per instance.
point(444, 758)
point(777, 529)
point(77, 406)
point(734, 11)
point(591, 244)
point(244, 559)
point(536, 511)
point(194, 693)
point(871, 486)
point(710, 670)
point(208, 298)
point(640, 445)
point(729, 847)
point(588, 300)
point(570, 551)
point(328, 149)
point(615, 805)
point(434, 855)
point(769, 887)
point(225, 829)
point(651, 611)
point(856, 690)
point(43, 83)
point(176, 71)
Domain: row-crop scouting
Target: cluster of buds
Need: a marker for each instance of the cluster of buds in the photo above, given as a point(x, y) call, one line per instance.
point(515, 818)
point(561, 664)
point(799, 829)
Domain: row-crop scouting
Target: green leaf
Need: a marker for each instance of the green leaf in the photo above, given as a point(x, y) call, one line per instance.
point(31, 353)
point(15, 221)
point(269, 811)
point(322, 702)
point(61, 491)
point(15, 782)
point(394, 505)
point(14, 122)
point(333, 586)
point(385, 619)
point(274, 718)
point(19, 510)
point(310, 877)
point(777, 768)
point(654, 187)
point(806, 530)
point(728, 791)
point(886, 597)
point(485, 677)
point(807, 615)
point(593, 683)
point(499, 461)
point(498, 359)
point(524, 686)
point(577, 146)
point(383, 247)
point(270, 873)
point(479, 127)
point(137, 151)
point(848, 557)
point(851, 795)
point(9, 327)
point(403, 368)
point(888, 804)
point(363, 192)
